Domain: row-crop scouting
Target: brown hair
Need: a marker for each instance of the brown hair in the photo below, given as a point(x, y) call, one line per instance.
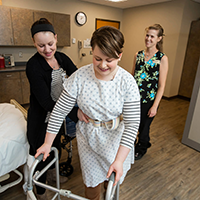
point(160, 30)
point(41, 25)
point(109, 39)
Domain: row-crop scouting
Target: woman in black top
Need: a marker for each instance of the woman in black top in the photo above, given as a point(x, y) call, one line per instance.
point(46, 71)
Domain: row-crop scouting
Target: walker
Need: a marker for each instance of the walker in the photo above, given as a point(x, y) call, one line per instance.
point(111, 194)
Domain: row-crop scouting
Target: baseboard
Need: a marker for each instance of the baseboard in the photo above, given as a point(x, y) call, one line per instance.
point(177, 96)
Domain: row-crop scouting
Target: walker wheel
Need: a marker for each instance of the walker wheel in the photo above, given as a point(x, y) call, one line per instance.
point(66, 169)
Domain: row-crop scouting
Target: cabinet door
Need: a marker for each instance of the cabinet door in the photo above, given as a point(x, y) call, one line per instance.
point(62, 28)
point(25, 88)
point(22, 20)
point(10, 87)
point(41, 14)
point(6, 34)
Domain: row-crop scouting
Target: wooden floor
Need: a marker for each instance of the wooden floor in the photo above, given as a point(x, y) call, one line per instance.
point(169, 170)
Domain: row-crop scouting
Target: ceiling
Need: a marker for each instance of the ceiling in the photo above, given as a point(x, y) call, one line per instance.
point(128, 3)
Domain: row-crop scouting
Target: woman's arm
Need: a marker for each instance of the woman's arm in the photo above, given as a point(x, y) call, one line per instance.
point(39, 85)
point(131, 117)
point(117, 165)
point(134, 62)
point(161, 85)
point(63, 106)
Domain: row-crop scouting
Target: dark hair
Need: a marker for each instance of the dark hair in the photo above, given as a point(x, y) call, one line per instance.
point(41, 25)
point(109, 39)
point(160, 30)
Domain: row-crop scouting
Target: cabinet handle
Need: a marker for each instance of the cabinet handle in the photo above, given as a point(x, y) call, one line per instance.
point(8, 75)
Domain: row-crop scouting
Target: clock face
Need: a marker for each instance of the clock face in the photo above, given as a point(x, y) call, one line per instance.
point(81, 18)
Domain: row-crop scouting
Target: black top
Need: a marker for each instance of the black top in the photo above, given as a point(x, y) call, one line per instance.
point(147, 75)
point(39, 73)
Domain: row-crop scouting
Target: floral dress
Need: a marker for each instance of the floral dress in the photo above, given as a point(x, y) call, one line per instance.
point(147, 74)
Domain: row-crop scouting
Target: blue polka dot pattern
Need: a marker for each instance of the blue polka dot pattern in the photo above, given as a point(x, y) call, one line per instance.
point(101, 100)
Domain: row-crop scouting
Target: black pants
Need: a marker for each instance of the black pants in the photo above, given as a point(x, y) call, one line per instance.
point(42, 164)
point(144, 129)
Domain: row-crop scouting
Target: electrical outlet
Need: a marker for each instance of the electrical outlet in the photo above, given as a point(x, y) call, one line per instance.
point(20, 54)
point(73, 40)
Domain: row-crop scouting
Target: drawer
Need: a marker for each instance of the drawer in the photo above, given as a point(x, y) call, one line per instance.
point(10, 75)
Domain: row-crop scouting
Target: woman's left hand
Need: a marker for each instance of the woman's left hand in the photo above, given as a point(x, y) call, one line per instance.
point(44, 149)
point(116, 167)
point(152, 112)
point(82, 116)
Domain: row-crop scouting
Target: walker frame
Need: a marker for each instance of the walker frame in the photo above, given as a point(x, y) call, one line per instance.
point(111, 194)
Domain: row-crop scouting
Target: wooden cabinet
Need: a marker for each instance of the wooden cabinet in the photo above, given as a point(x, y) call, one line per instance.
point(62, 28)
point(14, 85)
point(61, 23)
point(22, 20)
point(15, 26)
point(25, 88)
point(10, 87)
point(41, 14)
point(16, 23)
point(6, 33)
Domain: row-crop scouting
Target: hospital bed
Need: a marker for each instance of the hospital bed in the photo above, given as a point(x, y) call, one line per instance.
point(13, 142)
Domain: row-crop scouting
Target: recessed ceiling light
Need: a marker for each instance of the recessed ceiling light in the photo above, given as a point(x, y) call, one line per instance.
point(116, 0)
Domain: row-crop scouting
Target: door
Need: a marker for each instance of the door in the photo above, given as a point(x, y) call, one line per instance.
point(191, 61)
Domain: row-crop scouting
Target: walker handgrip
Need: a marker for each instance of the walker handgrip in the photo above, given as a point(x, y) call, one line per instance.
point(112, 177)
point(40, 157)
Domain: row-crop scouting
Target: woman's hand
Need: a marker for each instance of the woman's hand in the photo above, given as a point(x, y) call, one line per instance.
point(152, 111)
point(82, 116)
point(116, 167)
point(44, 149)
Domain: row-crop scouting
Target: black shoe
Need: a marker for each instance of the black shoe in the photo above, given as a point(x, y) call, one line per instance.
point(138, 156)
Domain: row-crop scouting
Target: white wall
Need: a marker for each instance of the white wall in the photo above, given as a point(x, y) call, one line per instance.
point(175, 17)
point(80, 33)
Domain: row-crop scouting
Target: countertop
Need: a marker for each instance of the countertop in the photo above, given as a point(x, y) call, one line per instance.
point(19, 66)
point(13, 69)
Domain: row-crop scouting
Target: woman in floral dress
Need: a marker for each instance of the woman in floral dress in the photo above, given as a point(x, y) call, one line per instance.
point(150, 71)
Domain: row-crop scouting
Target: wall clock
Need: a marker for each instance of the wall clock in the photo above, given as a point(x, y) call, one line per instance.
point(81, 18)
